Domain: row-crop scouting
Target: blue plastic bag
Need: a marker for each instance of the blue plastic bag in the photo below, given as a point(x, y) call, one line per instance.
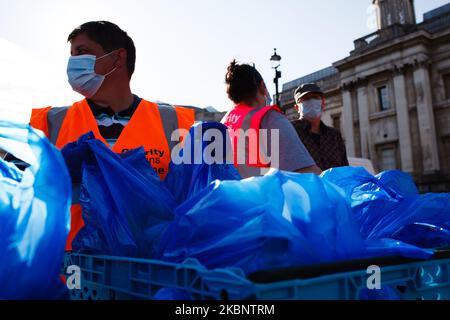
point(187, 179)
point(388, 203)
point(170, 294)
point(34, 215)
point(398, 181)
point(10, 171)
point(125, 206)
point(271, 222)
point(423, 235)
point(395, 248)
point(433, 209)
point(264, 223)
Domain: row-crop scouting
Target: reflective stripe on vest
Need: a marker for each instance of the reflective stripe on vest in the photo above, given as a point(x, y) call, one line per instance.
point(55, 118)
point(174, 118)
point(169, 121)
point(245, 118)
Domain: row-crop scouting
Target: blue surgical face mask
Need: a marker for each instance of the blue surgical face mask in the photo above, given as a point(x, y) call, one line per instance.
point(311, 109)
point(82, 76)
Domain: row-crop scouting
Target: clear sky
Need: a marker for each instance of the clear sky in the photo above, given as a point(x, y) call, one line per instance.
point(183, 46)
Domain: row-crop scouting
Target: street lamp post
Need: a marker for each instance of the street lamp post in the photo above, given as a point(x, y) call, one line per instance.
point(275, 59)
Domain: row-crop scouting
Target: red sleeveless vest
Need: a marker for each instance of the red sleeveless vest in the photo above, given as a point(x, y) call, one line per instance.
point(240, 120)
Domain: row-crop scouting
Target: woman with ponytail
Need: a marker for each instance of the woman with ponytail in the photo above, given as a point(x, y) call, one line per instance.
point(262, 137)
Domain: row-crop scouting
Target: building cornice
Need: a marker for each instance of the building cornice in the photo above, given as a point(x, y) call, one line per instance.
point(409, 40)
point(412, 62)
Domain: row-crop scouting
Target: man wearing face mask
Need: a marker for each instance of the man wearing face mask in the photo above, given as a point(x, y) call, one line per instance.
point(100, 68)
point(325, 144)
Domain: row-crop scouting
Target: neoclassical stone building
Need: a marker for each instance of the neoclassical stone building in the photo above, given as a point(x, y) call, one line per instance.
point(391, 96)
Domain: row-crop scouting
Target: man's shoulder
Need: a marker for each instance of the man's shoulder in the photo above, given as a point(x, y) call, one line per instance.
point(58, 106)
point(48, 110)
point(274, 118)
point(165, 105)
point(160, 104)
point(300, 124)
point(331, 130)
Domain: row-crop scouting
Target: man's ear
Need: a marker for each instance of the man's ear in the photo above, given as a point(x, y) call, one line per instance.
point(122, 58)
point(262, 89)
point(323, 103)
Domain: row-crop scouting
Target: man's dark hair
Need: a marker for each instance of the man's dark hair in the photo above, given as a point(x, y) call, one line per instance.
point(110, 37)
point(243, 81)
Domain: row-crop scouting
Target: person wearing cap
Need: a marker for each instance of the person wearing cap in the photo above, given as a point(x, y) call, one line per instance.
point(325, 144)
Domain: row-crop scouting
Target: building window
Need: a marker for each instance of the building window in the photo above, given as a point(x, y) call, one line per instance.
point(447, 85)
point(383, 98)
point(336, 118)
point(388, 158)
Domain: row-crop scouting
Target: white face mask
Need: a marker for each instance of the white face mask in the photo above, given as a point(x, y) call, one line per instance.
point(82, 76)
point(311, 109)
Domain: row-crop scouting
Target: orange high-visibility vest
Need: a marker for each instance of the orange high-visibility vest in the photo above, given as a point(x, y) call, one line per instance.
point(150, 127)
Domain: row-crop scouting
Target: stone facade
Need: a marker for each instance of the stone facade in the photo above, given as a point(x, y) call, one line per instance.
point(391, 96)
point(395, 12)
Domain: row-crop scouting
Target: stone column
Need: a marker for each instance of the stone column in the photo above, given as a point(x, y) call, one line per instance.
point(364, 124)
point(347, 121)
point(403, 122)
point(425, 115)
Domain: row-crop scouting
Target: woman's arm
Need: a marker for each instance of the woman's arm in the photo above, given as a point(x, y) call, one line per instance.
point(312, 169)
point(293, 155)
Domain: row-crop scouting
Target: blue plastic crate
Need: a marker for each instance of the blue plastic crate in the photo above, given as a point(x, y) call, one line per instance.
point(114, 278)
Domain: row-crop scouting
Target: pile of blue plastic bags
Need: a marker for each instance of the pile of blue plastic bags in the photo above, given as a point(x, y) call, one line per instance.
point(125, 206)
point(389, 206)
point(205, 211)
point(34, 215)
